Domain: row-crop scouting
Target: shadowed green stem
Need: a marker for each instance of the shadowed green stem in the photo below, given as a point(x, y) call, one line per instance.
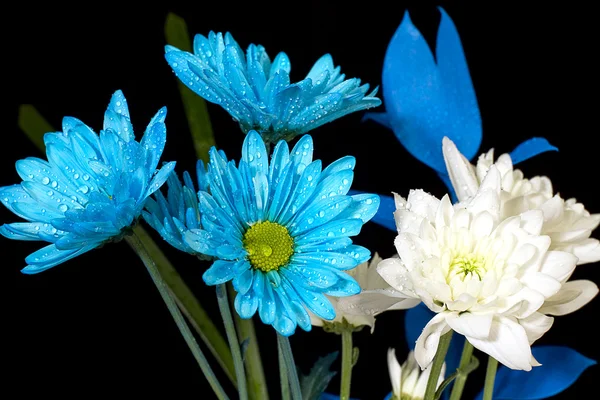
point(234, 344)
point(346, 364)
point(490, 377)
point(461, 377)
point(187, 334)
point(288, 361)
point(436, 366)
point(177, 35)
point(257, 384)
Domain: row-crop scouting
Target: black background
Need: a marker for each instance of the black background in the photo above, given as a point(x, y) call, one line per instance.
point(96, 325)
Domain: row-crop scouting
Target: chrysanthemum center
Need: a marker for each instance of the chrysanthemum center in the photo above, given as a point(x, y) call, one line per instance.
point(465, 265)
point(269, 245)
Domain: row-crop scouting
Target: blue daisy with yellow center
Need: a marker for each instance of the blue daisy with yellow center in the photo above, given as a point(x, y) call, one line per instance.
point(281, 231)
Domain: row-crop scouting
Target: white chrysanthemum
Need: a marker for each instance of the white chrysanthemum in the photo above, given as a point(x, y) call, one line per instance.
point(487, 278)
point(567, 222)
point(408, 382)
point(376, 295)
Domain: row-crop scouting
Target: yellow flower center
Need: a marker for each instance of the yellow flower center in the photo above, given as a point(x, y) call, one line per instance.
point(269, 245)
point(466, 265)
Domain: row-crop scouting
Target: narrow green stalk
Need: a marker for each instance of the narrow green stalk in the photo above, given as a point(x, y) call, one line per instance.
point(234, 344)
point(179, 319)
point(189, 305)
point(490, 377)
point(257, 384)
point(283, 374)
point(346, 364)
point(436, 367)
point(461, 378)
point(288, 360)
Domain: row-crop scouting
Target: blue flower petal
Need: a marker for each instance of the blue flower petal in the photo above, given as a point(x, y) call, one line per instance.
point(246, 304)
point(561, 367)
point(49, 256)
point(219, 272)
point(530, 148)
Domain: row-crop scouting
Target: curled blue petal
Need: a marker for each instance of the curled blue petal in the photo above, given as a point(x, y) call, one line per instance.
point(561, 367)
point(531, 148)
point(385, 213)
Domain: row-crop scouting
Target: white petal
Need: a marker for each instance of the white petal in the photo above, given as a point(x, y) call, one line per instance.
point(532, 221)
point(374, 302)
point(395, 372)
point(542, 283)
point(407, 221)
point(559, 265)
point(536, 325)
point(460, 170)
point(483, 224)
point(571, 297)
point(507, 343)
point(427, 343)
point(394, 272)
point(487, 197)
point(471, 325)
point(444, 214)
point(588, 251)
point(423, 204)
point(409, 250)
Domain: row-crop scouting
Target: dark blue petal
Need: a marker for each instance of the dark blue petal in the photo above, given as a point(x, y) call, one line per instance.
point(530, 148)
point(379, 117)
point(425, 101)
point(561, 366)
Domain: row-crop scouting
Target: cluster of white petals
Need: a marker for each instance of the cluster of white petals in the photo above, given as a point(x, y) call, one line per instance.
point(494, 267)
point(408, 382)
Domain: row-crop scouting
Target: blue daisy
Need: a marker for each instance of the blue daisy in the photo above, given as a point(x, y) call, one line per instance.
point(258, 93)
point(280, 231)
point(179, 211)
point(91, 190)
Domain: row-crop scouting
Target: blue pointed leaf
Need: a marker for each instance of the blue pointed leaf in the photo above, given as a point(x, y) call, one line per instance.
point(561, 366)
point(426, 101)
point(530, 148)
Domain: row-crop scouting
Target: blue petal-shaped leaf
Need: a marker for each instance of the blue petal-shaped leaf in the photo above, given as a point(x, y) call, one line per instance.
point(561, 366)
point(426, 101)
point(415, 320)
point(530, 148)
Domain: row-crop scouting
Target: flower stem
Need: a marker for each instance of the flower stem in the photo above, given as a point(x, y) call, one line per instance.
point(137, 245)
point(188, 304)
point(346, 364)
point(234, 344)
point(283, 374)
point(490, 377)
point(288, 360)
point(257, 384)
point(436, 367)
point(461, 378)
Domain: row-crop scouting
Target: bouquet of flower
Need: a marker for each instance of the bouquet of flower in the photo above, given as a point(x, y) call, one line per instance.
point(480, 271)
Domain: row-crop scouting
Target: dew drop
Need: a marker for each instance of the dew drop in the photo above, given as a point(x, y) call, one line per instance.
point(46, 180)
point(63, 207)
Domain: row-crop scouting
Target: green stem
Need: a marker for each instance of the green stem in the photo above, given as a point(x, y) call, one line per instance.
point(461, 378)
point(436, 366)
point(135, 242)
point(189, 305)
point(288, 360)
point(346, 364)
point(283, 374)
point(234, 344)
point(490, 377)
point(257, 384)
